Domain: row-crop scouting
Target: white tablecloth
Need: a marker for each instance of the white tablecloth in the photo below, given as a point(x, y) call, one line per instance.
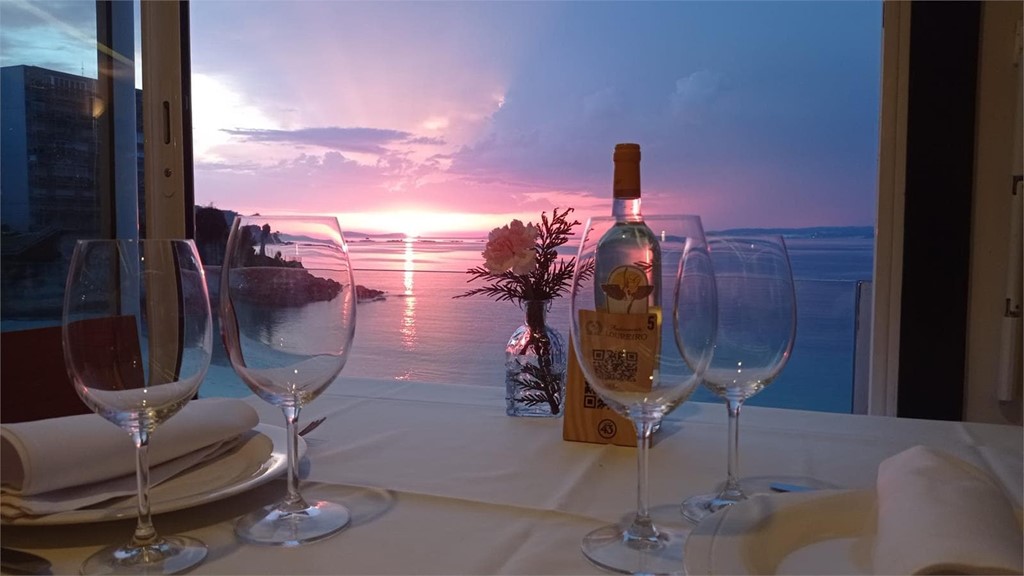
point(441, 481)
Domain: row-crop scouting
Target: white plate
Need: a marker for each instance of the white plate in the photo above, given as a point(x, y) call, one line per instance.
point(261, 456)
point(820, 532)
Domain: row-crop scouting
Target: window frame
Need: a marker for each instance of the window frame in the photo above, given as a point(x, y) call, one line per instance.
point(167, 120)
point(892, 151)
point(117, 164)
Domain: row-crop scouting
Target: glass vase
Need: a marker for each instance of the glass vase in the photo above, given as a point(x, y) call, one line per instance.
point(535, 364)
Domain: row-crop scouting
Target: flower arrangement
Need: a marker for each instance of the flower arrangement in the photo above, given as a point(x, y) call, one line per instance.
point(522, 265)
point(521, 261)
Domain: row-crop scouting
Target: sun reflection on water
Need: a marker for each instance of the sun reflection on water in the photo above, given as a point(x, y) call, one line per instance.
point(408, 329)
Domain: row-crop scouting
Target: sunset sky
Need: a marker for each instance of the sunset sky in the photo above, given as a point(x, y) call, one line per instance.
point(437, 117)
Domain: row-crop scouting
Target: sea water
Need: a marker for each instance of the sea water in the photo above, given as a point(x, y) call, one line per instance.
point(419, 332)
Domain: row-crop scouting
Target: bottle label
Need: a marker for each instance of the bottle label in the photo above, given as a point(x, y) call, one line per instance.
point(621, 348)
point(626, 290)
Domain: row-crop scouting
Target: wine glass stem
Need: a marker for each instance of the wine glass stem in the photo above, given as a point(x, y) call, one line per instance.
point(642, 527)
point(732, 482)
point(294, 498)
point(145, 534)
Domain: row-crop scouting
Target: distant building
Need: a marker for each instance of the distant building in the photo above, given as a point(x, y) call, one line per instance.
point(48, 150)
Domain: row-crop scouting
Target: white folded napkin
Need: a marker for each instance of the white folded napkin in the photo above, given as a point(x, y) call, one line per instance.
point(940, 515)
point(61, 464)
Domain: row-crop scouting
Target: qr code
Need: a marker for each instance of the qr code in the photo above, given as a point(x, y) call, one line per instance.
point(620, 366)
point(591, 399)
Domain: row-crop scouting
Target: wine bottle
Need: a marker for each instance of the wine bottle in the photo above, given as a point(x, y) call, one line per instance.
point(627, 278)
point(628, 264)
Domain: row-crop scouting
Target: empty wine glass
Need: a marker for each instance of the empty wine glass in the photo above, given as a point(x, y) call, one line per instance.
point(288, 315)
point(625, 271)
point(137, 337)
point(756, 331)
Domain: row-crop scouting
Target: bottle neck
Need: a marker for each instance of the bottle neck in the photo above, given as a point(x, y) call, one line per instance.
point(536, 314)
point(626, 183)
point(627, 209)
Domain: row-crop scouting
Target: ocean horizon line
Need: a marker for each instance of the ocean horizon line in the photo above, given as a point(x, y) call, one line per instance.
point(808, 232)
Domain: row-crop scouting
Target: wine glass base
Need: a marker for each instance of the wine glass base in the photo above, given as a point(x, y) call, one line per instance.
point(610, 548)
point(168, 555)
point(276, 526)
point(697, 508)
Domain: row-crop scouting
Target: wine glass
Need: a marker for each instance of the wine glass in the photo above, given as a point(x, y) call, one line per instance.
point(625, 273)
point(756, 331)
point(137, 335)
point(288, 315)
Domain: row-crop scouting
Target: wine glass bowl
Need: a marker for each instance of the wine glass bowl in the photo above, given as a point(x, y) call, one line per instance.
point(642, 327)
point(754, 340)
point(137, 337)
point(288, 312)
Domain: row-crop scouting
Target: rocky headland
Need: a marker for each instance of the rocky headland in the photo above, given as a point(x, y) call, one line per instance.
point(278, 281)
point(364, 294)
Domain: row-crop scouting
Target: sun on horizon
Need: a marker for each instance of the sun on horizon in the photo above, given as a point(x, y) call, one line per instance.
point(425, 223)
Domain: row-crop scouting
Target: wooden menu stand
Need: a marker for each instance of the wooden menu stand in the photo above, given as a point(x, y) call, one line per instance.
point(587, 418)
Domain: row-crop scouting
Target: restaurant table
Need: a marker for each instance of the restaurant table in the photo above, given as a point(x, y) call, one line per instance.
point(441, 481)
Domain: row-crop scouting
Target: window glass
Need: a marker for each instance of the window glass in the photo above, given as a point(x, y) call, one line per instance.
point(69, 92)
point(423, 125)
point(433, 122)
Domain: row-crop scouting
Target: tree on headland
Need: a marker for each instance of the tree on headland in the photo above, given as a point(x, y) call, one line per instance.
point(264, 234)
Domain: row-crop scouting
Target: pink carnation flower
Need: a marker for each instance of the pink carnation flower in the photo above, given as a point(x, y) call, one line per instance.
point(511, 247)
